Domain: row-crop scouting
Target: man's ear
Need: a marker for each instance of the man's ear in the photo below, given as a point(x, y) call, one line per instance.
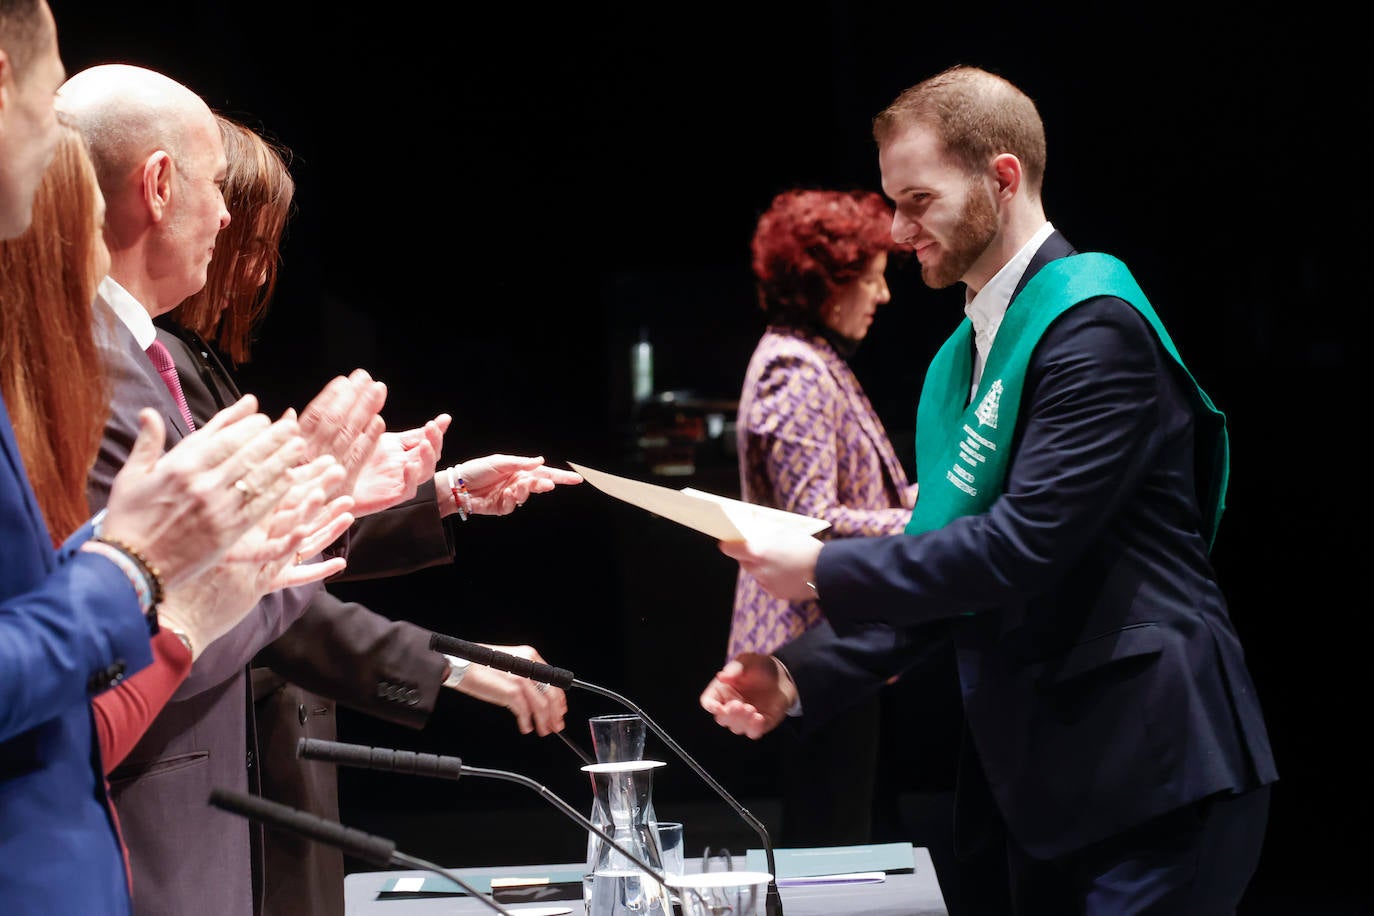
point(1006, 173)
point(157, 183)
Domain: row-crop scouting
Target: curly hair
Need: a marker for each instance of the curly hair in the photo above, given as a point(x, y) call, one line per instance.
point(809, 243)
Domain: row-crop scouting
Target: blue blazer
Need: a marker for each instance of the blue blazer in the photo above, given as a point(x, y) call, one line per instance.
point(1103, 682)
point(70, 626)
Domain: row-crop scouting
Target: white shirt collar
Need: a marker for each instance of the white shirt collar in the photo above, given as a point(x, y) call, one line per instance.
point(129, 310)
point(987, 309)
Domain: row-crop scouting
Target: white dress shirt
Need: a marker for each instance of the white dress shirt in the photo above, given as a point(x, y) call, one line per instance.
point(987, 309)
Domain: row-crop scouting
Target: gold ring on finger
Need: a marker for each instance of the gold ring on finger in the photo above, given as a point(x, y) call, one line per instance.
point(247, 492)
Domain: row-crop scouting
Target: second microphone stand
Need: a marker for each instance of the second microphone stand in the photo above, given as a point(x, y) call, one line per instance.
point(563, 678)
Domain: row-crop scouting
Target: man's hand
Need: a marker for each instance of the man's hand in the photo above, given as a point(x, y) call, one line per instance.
point(344, 420)
point(783, 562)
point(265, 559)
point(302, 525)
point(184, 509)
point(300, 519)
point(750, 695)
point(398, 464)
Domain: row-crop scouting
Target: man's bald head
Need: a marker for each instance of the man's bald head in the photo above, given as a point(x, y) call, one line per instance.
point(159, 157)
point(127, 112)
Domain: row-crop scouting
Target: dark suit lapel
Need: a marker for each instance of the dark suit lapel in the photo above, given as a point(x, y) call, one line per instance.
point(1052, 249)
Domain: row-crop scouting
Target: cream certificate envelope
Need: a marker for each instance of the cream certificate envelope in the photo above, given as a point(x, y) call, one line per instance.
point(723, 518)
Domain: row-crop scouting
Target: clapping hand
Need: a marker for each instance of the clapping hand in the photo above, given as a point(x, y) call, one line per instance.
point(398, 464)
point(186, 507)
point(344, 421)
point(265, 558)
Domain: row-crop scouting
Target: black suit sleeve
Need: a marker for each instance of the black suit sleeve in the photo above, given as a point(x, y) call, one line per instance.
point(368, 662)
point(407, 537)
point(833, 671)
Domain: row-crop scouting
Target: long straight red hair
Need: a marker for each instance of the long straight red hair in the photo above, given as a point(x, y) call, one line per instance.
point(51, 373)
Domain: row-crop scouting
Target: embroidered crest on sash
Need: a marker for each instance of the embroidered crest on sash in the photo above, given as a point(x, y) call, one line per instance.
point(987, 408)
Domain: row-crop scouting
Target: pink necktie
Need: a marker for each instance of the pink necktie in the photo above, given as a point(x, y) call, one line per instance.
point(162, 361)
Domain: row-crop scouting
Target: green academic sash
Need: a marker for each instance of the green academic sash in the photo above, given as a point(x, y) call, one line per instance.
point(962, 445)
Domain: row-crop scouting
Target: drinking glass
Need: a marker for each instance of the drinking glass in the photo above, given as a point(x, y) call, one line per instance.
point(670, 844)
point(722, 893)
point(617, 738)
point(716, 860)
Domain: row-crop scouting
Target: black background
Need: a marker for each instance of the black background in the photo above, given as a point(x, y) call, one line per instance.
point(494, 199)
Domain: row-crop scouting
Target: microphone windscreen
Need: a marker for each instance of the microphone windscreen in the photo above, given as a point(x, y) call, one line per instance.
point(502, 661)
point(379, 758)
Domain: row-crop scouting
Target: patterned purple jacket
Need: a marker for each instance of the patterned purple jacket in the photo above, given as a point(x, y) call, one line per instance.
point(809, 442)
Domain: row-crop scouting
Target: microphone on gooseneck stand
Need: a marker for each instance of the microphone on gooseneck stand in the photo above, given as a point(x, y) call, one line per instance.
point(356, 843)
point(379, 758)
point(563, 678)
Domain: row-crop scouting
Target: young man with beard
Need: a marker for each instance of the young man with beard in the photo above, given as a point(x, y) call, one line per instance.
point(1072, 475)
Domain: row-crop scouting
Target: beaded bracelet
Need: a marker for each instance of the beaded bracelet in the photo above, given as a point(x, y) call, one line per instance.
point(128, 567)
point(459, 488)
point(146, 587)
point(149, 571)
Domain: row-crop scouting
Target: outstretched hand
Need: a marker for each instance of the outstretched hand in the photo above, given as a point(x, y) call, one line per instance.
point(750, 695)
point(499, 484)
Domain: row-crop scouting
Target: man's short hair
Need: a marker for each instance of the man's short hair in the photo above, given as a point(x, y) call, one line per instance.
point(21, 31)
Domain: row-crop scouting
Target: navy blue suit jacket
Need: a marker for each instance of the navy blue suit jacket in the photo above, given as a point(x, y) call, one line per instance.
point(70, 626)
point(1103, 682)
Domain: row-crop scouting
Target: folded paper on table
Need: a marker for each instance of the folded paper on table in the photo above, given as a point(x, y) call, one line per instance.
point(434, 885)
point(814, 861)
point(723, 518)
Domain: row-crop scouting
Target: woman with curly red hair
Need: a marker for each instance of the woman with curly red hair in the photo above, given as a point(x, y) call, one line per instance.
point(810, 442)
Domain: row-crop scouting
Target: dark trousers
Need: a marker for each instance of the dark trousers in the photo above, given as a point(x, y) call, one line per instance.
point(827, 779)
point(1196, 861)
